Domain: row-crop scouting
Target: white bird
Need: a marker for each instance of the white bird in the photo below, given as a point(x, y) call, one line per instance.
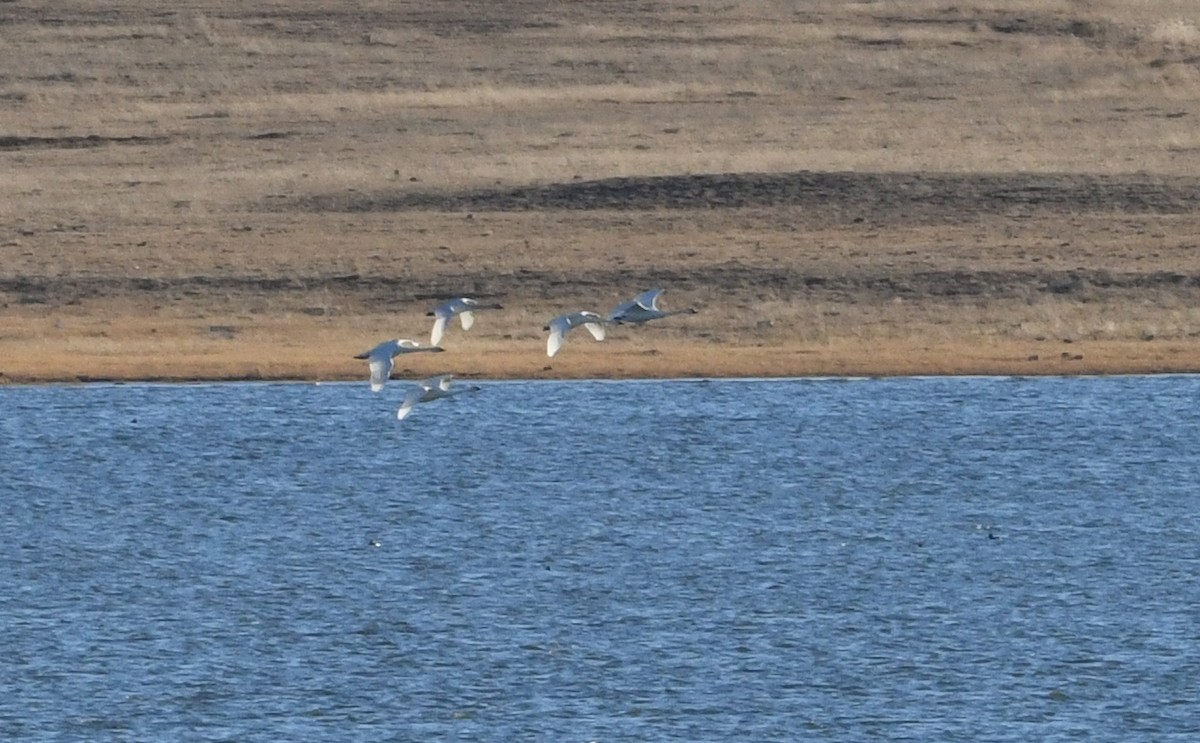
point(381, 358)
point(643, 308)
point(560, 326)
point(464, 307)
point(434, 388)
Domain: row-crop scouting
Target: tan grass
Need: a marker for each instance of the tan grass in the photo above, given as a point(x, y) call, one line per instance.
point(248, 119)
point(1175, 34)
point(837, 357)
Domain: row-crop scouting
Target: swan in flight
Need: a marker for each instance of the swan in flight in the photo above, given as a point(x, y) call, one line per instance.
point(560, 326)
point(381, 358)
point(643, 308)
point(434, 388)
point(464, 307)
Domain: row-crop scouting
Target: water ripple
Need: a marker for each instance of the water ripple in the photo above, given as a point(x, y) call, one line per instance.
point(952, 559)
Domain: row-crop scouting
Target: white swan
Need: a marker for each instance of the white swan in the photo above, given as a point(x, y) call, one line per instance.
point(380, 358)
point(643, 308)
point(464, 307)
point(560, 326)
point(434, 388)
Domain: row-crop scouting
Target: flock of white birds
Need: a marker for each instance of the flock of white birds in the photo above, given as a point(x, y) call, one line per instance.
point(382, 358)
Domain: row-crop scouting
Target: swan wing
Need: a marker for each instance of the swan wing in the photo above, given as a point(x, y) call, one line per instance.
point(412, 398)
point(648, 300)
point(596, 329)
point(439, 329)
point(381, 369)
point(468, 319)
point(555, 341)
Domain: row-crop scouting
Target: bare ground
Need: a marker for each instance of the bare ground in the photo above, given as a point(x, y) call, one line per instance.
point(837, 191)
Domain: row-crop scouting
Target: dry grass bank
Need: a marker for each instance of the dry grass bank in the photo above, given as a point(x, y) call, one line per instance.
point(261, 191)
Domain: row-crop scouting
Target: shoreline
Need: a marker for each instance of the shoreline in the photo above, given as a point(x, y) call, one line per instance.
point(673, 361)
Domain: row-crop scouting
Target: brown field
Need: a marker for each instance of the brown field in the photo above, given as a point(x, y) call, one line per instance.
point(262, 190)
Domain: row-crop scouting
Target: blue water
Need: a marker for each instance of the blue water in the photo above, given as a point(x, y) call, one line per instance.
point(970, 559)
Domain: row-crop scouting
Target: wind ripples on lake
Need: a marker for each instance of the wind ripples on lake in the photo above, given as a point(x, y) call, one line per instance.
point(929, 559)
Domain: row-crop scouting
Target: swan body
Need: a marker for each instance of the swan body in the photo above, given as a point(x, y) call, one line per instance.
point(643, 308)
point(381, 358)
point(428, 390)
point(563, 324)
point(464, 307)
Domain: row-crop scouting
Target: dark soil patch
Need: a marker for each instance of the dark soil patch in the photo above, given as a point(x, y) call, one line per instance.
point(732, 278)
point(847, 197)
point(73, 142)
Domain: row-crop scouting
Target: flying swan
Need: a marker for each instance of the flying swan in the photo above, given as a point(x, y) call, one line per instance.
point(643, 308)
point(560, 326)
point(464, 307)
point(381, 358)
point(434, 388)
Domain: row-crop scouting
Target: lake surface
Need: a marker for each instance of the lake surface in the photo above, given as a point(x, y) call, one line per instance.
point(964, 559)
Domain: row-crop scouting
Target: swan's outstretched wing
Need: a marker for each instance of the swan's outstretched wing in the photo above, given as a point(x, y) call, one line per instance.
point(555, 341)
point(468, 319)
point(648, 300)
point(558, 331)
point(596, 329)
point(411, 399)
point(439, 329)
point(381, 369)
